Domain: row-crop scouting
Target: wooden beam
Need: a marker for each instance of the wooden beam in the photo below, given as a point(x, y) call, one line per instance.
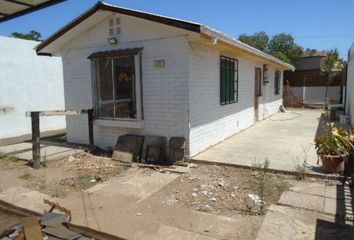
point(36, 145)
point(90, 127)
point(59, 112)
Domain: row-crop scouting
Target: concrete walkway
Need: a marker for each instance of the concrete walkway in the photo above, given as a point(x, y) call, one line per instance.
point(311, 211)
point(285, 139)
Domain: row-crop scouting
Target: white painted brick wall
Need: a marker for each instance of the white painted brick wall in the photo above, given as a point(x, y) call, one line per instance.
point(180, 100)
point(350, 86)
point(211, 122)
point(165, 94)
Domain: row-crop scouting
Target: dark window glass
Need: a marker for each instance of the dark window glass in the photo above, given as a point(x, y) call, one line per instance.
point(116, 87)
point(277, 76)
point(228, 80)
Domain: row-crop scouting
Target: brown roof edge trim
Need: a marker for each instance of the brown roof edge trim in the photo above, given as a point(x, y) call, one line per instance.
point(101, 6)
point(155, 18)
point(69, 26)
point(115, 53)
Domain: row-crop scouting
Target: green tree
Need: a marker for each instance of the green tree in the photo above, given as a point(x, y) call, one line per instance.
point(281, 46)
point(258, 40)
point(331, 66)
point(32, 35)
point(284, 47)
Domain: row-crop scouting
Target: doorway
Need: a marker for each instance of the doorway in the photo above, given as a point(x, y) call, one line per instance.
point(257, 92)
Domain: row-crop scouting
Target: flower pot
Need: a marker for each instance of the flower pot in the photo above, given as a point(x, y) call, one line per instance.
point(333, 163)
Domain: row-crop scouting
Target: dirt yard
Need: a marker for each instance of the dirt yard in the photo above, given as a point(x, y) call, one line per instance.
point(59, 178)
point(236, 193)
point(224, 190)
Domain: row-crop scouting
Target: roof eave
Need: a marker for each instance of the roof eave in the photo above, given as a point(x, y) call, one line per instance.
point(189, 26)
point(233, 41)
point(30, 9)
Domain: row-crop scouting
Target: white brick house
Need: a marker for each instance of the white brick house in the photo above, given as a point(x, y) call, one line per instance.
point(350, 85)
point(163, 76)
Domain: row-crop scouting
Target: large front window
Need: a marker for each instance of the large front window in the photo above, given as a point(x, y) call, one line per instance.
point(117, 85)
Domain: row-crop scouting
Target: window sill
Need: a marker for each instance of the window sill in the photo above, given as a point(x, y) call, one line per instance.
point(119, 123)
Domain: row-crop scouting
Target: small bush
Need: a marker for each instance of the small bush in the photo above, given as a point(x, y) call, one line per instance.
point(26, 176)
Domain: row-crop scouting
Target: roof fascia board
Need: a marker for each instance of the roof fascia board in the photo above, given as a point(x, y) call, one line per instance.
point(194, 27)
point(211, 33)
point(30, 9)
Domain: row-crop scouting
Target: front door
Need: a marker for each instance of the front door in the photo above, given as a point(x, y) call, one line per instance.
point(257, 92)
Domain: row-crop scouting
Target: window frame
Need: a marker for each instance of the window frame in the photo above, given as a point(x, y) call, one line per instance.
point(277, 82)
point(226, 79)
point(260, 83)
point(137, 83)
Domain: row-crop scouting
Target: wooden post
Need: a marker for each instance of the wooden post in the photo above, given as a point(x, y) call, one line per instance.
point(90, 126)
point(36, 145)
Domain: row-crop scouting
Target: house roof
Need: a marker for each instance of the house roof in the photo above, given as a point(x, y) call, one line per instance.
point(201, 29)
point(309, 63)
point(10, 9)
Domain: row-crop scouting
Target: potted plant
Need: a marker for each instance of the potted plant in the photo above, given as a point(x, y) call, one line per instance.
point(334, 147)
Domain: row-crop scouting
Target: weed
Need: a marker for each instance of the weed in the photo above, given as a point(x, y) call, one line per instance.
point(26, 176)
point(10, 158)
point(301, 168)
point(204, 208)
point(262, 182)
point(300, 171)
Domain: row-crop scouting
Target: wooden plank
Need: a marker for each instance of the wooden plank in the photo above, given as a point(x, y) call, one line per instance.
point(32, 228)
point(36, 151)
point(60, 112)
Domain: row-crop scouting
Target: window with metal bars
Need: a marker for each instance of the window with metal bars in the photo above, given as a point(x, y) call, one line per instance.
point(228, 80)
point(277, 76)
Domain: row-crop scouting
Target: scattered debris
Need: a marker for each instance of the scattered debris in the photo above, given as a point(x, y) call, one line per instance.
point(50, 225)
point(72, 158)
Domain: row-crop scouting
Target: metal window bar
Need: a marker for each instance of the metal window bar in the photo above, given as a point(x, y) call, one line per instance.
point(228, 80)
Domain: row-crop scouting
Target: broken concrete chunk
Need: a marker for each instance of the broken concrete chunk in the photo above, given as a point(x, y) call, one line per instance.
point(128, 148)
point(61, 232)
point(51, 219)
point(154, 149)
point(177, 149)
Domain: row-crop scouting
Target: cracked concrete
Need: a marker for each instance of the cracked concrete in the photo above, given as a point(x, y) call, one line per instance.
point(311, 211)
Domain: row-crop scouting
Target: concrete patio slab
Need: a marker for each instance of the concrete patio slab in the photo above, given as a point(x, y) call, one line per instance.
point(285, 139)
point(301, 200)
point(283, 222)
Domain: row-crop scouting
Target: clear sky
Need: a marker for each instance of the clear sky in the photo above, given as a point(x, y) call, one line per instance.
point(319, 24)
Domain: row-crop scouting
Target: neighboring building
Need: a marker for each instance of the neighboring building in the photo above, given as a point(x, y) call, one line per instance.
point(161, 76)
point(28, 83)
point(308, 82)
point(350, 85)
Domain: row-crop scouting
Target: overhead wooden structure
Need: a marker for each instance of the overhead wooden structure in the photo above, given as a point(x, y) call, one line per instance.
point(10, 9)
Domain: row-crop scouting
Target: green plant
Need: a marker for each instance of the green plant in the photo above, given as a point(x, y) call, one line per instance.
point(26, 176)
point(262, 182)
point(301, 167)
point(335, 141)
point(10, 158)
point(300, 171)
